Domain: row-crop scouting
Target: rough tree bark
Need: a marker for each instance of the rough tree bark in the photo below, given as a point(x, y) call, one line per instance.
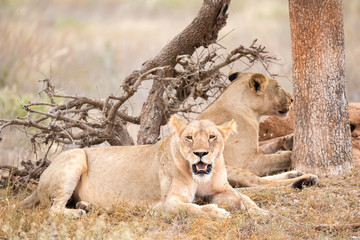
point(322, 134)
point(202, 31)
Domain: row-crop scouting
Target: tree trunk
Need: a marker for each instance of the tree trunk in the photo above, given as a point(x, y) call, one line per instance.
point(152, 113)
point(322, 134)
point(202, 31)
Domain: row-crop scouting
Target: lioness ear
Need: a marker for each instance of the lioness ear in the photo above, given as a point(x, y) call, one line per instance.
point(177, 124)
point(258, 83)
point(227, 128)
point(233, 74)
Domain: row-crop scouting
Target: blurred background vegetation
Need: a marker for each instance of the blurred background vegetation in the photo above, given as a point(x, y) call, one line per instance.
point(88, 47)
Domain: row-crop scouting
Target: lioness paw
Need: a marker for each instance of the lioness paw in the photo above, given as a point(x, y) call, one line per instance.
point(77, 213)
point(73, 213)
point(258, 212)
point(260, 215)
point(213, 211)
point(306, 180)
point(84, 206)
point(294, 174)
point(288, 142)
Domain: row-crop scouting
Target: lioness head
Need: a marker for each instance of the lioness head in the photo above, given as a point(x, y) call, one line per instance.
point(266, 93)
point(201, 143)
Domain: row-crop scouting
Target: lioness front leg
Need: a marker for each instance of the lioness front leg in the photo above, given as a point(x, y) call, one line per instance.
point(231, 198)
point(178, 195)
point(84, 206)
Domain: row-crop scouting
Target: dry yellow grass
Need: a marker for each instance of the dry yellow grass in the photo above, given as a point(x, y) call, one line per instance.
point(295, 214)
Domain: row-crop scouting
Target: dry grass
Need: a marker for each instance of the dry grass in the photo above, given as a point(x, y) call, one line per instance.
point(295, 215)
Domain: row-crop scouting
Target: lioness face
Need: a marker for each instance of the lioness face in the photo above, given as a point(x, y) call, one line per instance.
point(278, 99)
point(201, 143)
point(266, 94)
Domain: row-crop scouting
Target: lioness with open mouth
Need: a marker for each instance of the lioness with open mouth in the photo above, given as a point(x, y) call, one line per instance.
point(171, 173)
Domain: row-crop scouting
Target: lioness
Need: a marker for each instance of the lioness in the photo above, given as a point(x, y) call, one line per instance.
point(173, 171)
point(249, 97)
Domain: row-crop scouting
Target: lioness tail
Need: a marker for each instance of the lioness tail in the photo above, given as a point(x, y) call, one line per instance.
point(31, 200)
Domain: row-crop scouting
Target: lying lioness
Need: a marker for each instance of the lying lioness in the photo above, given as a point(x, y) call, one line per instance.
point(248, 98)
point(172, 172)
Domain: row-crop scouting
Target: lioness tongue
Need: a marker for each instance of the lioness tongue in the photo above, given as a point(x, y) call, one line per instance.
point(201, 166)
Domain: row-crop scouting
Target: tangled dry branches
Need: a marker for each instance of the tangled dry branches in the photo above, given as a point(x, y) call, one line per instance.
point(81, 121)
point(18, 178)
point(199, 76)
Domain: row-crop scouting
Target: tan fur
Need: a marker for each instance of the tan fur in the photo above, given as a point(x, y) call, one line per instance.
point(249, 97)
point(160, 173)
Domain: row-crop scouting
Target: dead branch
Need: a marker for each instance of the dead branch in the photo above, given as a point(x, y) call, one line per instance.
point(20, 178)
point(202, 31)
point(81, 121)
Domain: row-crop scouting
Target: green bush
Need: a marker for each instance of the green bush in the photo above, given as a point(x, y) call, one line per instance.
point(11, 101)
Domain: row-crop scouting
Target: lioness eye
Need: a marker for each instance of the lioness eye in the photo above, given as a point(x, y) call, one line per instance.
point(189, 138)
point(212, 137)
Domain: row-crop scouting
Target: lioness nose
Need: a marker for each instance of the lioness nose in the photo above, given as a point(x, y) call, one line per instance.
point(201, 154)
